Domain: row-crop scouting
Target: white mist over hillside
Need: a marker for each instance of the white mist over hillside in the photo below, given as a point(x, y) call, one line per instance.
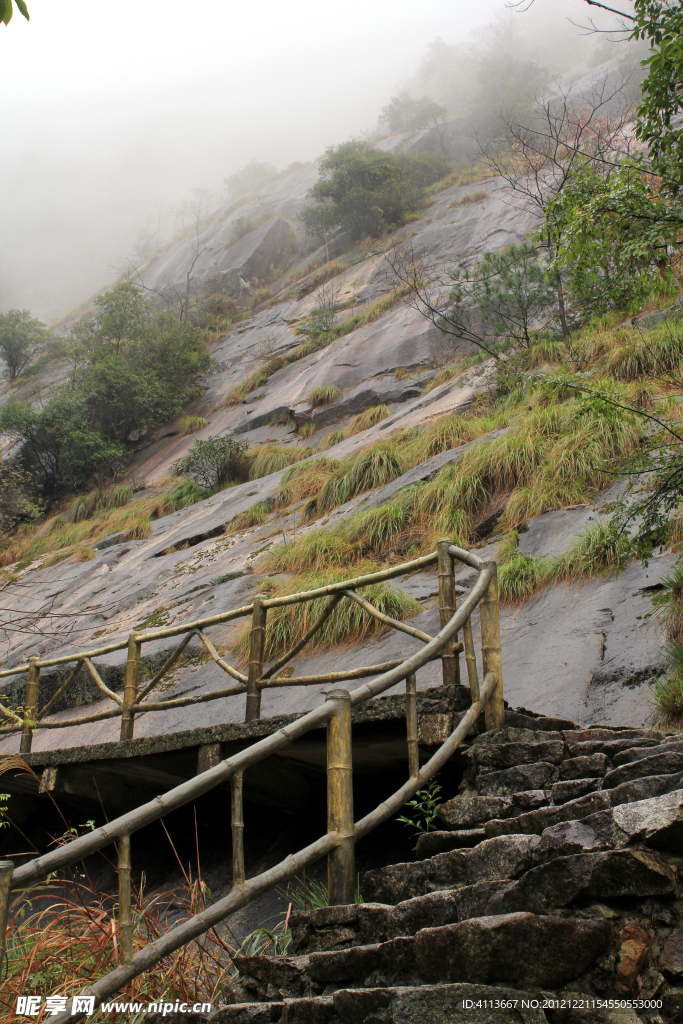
point(111, 115)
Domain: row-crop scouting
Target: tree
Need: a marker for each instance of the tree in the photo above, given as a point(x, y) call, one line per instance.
point(6, 10)
point(365, 189)
point(212, 461)
point(404, 114)
point(659, 122)
point(60, 441)
point(613, 235)
point(16, 495)
point(537, 160)
point(19, 335)
point(503, 295)
point(122, 314)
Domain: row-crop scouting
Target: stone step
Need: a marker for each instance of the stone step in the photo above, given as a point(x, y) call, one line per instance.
point(572, 789)
point(609, 747)
point(424, 1004)
point(521, 778)
point(609, 875)
point(431, 843)
point(668, 762)
point(503, 857)
point(467, 812)
point(637, 753)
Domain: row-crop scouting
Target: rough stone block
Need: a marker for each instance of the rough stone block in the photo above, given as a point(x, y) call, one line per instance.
point(645, 788)
point(671, 959)
point(516, 780)
point(666, 763)
point(521, 949)
point(501, 858)
point(645, 750)
point(545, 817)
point(572, 789)
point(605, 875)
point(432, 1004)
point(592, 767)
point(431, 843)
point(399, 882)
point(510, 755)
point(463, 812)
point(394, 959)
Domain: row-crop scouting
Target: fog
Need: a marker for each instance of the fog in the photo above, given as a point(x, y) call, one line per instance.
point(112, 114)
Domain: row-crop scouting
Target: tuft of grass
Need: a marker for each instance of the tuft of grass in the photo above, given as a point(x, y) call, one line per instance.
point(270, 458)
point(191, 424)
point(348, 624)
point(364, 420)
point(323, 395)
point(334, 437)
point(253, 516)
point(667, 692)
point(186, 493)
point(84, 554)
point(472, 197)
point(371, 468)
point(522, 576)
point(669, 604)
point(138, 529)
point(307, 429)
point(597, 550)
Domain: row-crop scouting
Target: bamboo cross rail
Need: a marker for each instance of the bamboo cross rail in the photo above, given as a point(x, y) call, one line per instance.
point(335, 715)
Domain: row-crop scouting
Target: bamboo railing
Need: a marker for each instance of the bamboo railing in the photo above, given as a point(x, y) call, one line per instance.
point(335, 714)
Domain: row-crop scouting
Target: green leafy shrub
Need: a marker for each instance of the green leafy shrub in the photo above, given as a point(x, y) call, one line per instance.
point(211, 462)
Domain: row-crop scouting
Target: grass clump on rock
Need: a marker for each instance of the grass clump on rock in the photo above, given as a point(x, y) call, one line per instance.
point(348, 624)
point(323, 395)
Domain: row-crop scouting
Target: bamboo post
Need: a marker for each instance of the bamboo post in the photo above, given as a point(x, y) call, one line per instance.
point(125, 915)
point(256, 651)
point(411, 726)
point(341, 862)
point(471, 660)
point(450, 659)
point(30, 702)
point(130, 691)
point(6, 869)
point(490, 651)
point(238, 875)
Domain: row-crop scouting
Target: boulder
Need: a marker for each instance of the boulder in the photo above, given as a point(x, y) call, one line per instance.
point(516, 780)
point(665, 763)
point(521, 949)
point(584, 876)
point(592, 766)
point(394, 959)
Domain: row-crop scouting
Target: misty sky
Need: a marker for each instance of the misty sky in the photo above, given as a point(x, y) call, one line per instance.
point(112, 112)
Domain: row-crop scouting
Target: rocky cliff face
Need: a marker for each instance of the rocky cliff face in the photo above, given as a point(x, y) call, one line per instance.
point(584, 652)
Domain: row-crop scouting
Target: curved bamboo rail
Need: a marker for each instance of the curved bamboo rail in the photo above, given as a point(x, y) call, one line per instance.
point(342, 833)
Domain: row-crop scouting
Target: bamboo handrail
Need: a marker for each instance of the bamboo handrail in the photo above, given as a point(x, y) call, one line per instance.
point(386, 619)
point(39, 867)
point(332, 677)
point(245, 892)
point(100, 684)
point(335, 712)
point(288, 655)
point(215, 656)
point(61, 691)
point(169, 663)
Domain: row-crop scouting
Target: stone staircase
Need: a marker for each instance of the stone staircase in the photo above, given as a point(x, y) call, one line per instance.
point(552, 889)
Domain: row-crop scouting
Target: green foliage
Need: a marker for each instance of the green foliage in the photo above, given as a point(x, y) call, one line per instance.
point(659, 125)
point(424, 168)
point(425, 809)
point(186, 493)
point(667, 692)
point(404, 114)
point(270, 458)
point(4, 823)
point(59, 438)
point(522, 576)
point(509, 290)
point(669, 604)
point(508, 86)
point(17, 495)
point(323, 395)
point(6, 10)
point(612, 234)
point(212, 461)
point(364, 190)
point(20, 333)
